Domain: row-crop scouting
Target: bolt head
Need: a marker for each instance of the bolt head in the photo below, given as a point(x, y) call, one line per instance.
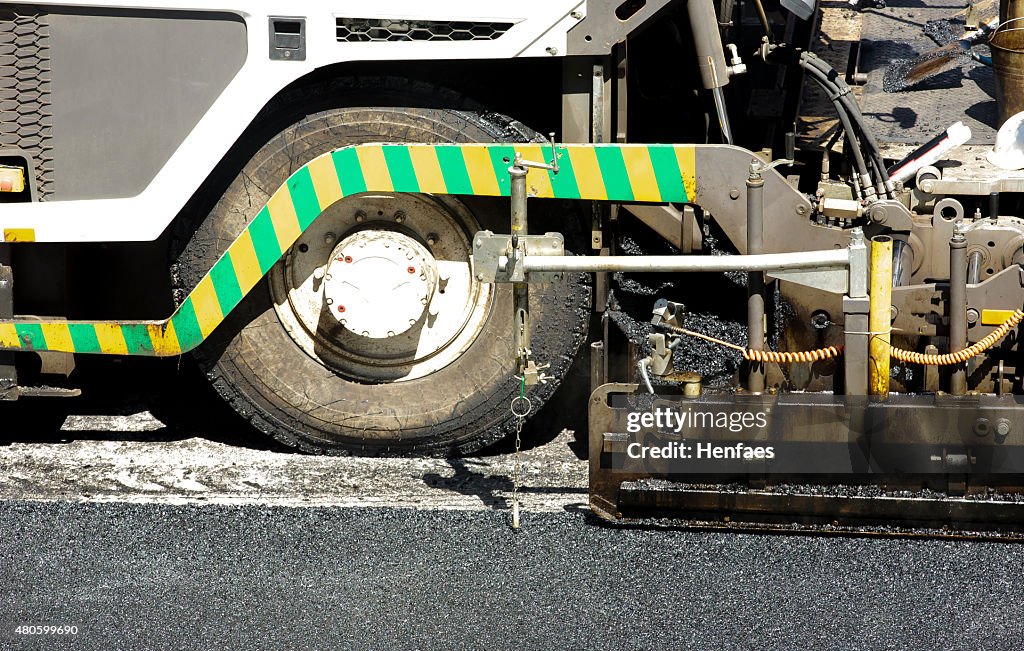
point(329, 238)
point(400, 217)
point(972, 315)
point(360, 217)
point(734, 194)
point(480, 277)
point(551, 50)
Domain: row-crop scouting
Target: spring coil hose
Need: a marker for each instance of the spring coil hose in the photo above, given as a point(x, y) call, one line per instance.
point(779, 357)
point(788, 357)
point(830, 352)
point(960, 356)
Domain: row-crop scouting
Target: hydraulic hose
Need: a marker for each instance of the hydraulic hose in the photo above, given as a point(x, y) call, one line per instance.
point(840, 95)
point(844, 119)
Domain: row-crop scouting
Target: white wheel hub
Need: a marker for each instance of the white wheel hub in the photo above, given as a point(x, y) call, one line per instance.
point(378, 284)
point(345, 294)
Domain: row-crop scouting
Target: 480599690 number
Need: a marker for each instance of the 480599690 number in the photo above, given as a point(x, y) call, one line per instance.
point(46, 630)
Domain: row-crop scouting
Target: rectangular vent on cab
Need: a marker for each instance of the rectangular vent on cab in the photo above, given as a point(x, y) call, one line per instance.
point(369, 30)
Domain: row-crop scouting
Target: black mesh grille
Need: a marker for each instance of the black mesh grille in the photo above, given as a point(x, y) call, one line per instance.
point(26, 120)
point(365, 30)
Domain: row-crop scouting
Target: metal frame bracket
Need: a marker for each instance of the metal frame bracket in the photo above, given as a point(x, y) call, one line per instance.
point(495, 260)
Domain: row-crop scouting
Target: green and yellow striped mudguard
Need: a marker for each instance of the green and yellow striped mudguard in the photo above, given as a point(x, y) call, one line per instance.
point(653, 173)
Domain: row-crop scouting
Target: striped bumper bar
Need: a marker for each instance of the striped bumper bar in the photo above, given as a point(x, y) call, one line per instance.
point(648, 173)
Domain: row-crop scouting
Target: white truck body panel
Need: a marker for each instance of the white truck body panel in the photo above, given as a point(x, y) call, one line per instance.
point(540, 28)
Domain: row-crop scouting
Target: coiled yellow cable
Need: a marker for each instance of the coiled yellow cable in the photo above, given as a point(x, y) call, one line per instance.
point(788, 357)
point(830, 352)
point(780, 357)
point(960, 356)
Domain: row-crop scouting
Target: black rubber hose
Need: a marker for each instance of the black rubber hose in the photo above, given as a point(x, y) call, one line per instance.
point(847, 110)
point(851, 134)
point(846, 97)
point(847, 118)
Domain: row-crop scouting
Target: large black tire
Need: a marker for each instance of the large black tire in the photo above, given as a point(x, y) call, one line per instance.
point(258, 369)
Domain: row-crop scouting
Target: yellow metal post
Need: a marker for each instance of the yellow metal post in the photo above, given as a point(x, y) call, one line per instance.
point(880, 319)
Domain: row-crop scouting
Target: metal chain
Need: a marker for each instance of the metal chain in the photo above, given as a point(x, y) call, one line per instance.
point(520, 408)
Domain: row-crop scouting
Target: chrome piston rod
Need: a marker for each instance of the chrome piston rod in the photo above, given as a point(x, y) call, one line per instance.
point(826, 259)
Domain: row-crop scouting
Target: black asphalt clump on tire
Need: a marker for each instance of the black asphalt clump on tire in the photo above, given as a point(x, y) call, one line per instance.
point(266, 378)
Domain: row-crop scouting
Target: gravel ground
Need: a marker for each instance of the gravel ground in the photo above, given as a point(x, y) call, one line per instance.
point(134, 576)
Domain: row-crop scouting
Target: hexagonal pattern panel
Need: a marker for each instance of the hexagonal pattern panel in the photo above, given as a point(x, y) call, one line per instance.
point(367, 30)
point(26, 121)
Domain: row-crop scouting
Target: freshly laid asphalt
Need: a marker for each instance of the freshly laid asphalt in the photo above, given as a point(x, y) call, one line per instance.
point(154, 537)
point(195, 576)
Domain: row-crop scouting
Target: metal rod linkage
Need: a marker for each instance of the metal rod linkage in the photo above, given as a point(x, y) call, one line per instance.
point(974, 268)
point(755, 279)
point(800, 260)
point(958, 307)
point(902, 263)
point(520, 291)
point(856, 307)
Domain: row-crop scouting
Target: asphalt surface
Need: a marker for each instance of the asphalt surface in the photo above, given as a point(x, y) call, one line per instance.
point(147, 536)
point(136, 576)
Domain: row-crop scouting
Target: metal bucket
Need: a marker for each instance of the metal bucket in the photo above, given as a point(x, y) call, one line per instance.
point(1007, 45)
point(1010, 9)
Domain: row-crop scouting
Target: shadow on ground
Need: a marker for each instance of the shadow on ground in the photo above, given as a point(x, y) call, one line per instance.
point(115, 393)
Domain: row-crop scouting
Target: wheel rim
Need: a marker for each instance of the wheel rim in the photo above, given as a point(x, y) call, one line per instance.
point(380, 287)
